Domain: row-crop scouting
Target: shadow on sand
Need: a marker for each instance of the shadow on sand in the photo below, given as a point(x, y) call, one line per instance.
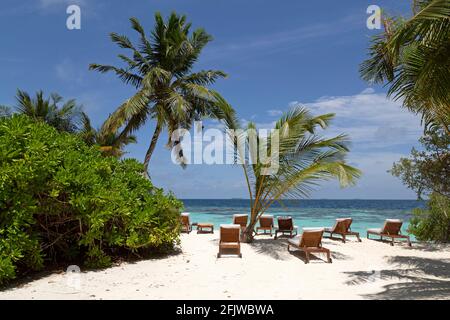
point(416, 278)
point(277, 249)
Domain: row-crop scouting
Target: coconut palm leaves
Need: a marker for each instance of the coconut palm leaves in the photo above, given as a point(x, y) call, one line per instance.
point(160, 68)
point(5, 111)
point(297, 159)
point(413, 58)
point(111, 144)
point(52, 110)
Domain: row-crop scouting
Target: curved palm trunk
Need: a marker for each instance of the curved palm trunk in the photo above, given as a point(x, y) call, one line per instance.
point(151, 148)
point(248, 234)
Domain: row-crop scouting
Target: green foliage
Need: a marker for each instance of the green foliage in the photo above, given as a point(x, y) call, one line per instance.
point(61, 201)
point(62, 116)
point(412, 57)
point(432, 224)
point(428, 170)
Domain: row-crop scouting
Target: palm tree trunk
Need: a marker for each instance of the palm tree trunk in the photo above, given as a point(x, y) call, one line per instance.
point(151, 148)
point(248, 234)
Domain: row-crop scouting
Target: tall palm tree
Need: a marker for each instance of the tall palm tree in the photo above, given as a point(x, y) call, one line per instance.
point(304, 159)
point(52, 110)
point(412, 57)
point(110, 143)
point(160, 68)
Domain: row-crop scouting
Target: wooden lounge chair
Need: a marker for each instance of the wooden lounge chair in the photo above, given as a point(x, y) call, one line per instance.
point(240, 219)
point(310, 241)
point(391, 229)
point(342, 227)
point(230, 239)
point(265, 224)
point(285, 225)
point(186, 225)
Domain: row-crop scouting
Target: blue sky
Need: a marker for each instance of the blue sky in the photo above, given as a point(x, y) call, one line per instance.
point(277, 54)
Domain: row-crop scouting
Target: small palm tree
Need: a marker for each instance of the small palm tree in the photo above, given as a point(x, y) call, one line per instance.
point(5, 111)
point(413, 58)
point(63, 117)
point(160, 67)
point(111, 144)
point(303, 157)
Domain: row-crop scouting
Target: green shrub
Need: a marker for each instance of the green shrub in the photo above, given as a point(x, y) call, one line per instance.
point(61, 201)
point(432, 224)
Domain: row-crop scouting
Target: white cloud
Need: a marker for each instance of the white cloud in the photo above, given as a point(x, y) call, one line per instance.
point(274, 112)
point(282, 40)
point(370, 119)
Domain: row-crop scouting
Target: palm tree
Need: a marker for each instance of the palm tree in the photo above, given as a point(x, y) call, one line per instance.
point(5, 111)
point(111, 144)
point(63, 117)
point(160, 68)
point(303, 157)
point(412, 57)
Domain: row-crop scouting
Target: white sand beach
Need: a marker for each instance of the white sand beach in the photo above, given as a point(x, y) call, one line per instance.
point(366, 270)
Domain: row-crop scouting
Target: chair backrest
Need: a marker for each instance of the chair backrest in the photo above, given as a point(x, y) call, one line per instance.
point(240, 219)
point(285, 223)
point(311, 238)
point(230, 232)
point(342, 225)
point(392, 226)
point(266, 221)
point(185, 219)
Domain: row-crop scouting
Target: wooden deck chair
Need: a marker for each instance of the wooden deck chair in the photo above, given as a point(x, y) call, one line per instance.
point(265, 224)
point(240, 219)
point(391, 229)
point(310, 241)
point(286, 225)
point(229, 239)
point(186, 225)
point(342, 227)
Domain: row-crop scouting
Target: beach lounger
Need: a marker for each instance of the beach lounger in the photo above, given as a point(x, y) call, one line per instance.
point(265, 224)
point(391, 229)
point(240, 219)
point(186, 225)
point(310, 241)
point(230, 239)
point(286, 225)
point(342, 227)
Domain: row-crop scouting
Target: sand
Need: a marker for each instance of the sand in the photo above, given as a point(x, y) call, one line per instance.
point(366, 270)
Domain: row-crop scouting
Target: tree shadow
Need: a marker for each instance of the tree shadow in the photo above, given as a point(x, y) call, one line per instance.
point(276, 249)
point(417, 278)
point(428, 247)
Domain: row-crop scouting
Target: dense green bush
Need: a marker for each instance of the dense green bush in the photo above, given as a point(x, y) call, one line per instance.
point(432, 224)
point(61, 201)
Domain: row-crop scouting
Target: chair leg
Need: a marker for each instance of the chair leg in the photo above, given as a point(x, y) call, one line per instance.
point(329, 256)
point(307, 257)
point(392, 242)
point(409, 241)
point(343, 238)
point(359, 239)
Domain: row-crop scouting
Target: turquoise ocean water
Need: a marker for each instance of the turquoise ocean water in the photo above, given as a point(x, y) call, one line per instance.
point(309, 213)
